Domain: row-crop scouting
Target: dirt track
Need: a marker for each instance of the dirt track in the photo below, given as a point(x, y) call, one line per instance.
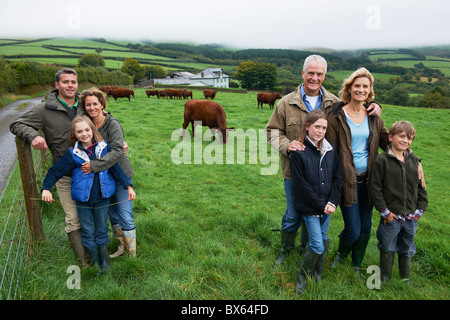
point(8, 152)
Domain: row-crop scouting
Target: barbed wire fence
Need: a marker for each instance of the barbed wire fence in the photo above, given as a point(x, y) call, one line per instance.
point(17, 227)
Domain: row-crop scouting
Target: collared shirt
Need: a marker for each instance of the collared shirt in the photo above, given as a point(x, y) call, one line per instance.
point(66, 104)
point(306, 102)
point(71, 110)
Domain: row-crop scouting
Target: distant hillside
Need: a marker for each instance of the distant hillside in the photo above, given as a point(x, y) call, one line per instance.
point(416, 71)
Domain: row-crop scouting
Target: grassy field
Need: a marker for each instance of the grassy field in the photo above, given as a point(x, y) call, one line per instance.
point(205, 230)
point(115, 49)
point(392, 58)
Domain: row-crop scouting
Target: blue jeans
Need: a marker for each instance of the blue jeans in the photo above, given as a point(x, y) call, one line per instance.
point(93, 218)
point(357, 217)
point(291, 221)
point(122, 211)
point(317, 227)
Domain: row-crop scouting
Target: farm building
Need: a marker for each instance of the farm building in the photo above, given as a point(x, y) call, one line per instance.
point(211, 77)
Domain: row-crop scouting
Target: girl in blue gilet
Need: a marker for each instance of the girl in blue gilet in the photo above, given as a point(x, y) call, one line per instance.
point(92, 191)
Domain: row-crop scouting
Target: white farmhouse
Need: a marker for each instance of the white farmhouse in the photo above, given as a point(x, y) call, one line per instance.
point(211, 77)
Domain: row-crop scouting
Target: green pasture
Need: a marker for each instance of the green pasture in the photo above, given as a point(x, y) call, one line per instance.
point(341, 75)
point(204, 231)
point(83, 46)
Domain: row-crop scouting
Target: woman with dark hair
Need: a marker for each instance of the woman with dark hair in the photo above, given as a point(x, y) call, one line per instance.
point(121, 209)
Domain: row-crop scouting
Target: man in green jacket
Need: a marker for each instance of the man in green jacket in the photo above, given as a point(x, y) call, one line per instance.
point(283, 131)
point(54, 116)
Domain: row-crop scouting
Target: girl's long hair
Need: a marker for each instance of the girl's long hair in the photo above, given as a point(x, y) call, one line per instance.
point(96, 136)
point(312, 117)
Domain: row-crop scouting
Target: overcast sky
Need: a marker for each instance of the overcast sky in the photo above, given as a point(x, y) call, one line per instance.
point(297, 24)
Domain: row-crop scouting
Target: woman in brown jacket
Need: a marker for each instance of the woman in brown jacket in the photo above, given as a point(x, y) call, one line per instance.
point(357, 137)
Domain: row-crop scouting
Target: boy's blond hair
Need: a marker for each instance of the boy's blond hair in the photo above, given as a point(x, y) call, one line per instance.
point(403, 126)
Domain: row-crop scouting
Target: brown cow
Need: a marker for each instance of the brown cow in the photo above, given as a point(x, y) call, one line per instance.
point(209, 113)
point(163, 93)
point(269, 98)
point(121, 93)
point(106, 89)
point(174, 93)
point(186, 94)
point(152, 93)
point(209, 93)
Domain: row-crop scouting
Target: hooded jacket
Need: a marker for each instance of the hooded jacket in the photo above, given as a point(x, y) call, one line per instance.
point(112, 132)
point(86, 187)
point(51, 117)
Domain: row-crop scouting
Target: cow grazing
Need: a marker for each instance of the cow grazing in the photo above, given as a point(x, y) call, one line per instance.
point(209, 93)
point(152, 93)
point(106, 89)
point(163, 94)
point(121, 93)
point(186, 94)
point(174, 93)
point(269, 98)
point(211, 114)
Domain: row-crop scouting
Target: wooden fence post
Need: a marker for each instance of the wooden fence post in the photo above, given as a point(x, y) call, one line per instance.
point(29, 185)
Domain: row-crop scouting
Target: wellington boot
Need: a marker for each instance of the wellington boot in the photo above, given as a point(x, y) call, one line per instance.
point(342, 253)
point(404, 268)
point(320, 264)
point(95, 258)
point(129, 240)
point(303, 239)
point(78, 248)
point(103, 258)
point(306, 270)
point(386, 262)
point(359, 250)
point(287, 244)
point(120, 243)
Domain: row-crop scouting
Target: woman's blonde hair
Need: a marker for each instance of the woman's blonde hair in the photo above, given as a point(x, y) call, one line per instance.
point(361, 72)
point(96, 136)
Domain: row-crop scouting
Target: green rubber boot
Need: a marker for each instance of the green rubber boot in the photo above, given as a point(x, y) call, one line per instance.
point(386, 262)
point(306, 270)
point(287, 244)
point(342, 253)
point(359, 250)
point(320, 264)
point(404, 268)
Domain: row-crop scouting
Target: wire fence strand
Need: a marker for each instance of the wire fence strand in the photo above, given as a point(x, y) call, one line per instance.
point(15, 238)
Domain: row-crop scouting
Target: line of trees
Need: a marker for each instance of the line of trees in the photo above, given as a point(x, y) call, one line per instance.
point(19, 74)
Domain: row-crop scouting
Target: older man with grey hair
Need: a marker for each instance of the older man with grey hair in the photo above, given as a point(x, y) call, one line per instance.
point(283, 131)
